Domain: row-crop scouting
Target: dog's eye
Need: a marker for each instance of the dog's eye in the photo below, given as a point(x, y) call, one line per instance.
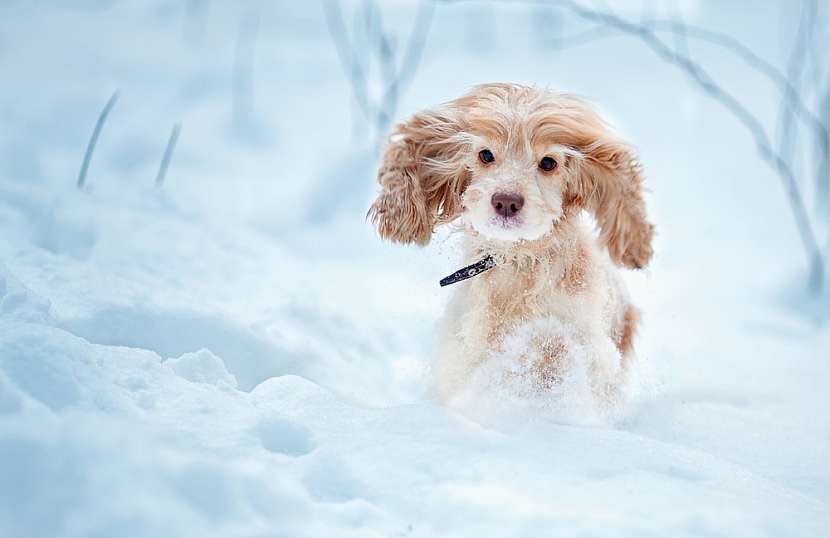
point(486, 156)
point(547, 164)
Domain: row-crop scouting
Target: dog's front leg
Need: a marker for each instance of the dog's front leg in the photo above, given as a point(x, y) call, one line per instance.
point(461, 342)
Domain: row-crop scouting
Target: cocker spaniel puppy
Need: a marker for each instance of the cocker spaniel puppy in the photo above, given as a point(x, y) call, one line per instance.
point(518, 167)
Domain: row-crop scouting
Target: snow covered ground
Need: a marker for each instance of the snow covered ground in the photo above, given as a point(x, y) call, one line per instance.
point(237, 354)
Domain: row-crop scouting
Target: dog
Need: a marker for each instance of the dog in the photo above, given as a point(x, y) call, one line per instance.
point(551, 197)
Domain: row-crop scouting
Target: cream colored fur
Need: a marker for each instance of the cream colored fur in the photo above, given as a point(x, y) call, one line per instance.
point(551, 262)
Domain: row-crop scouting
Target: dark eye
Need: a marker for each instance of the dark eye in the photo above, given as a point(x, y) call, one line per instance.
point(547, 164)
point(486, 156)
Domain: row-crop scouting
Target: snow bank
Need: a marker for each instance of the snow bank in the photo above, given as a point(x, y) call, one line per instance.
point(114, 441)
point(202, 367)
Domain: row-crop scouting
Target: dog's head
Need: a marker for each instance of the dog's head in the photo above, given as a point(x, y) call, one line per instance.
point(513, 161)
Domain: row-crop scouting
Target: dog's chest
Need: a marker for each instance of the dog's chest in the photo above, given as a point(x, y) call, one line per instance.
point(509, 296)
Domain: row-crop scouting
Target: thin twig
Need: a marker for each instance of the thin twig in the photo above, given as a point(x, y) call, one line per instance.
point(93, 140)
point(795, 73)
point(386, 57)
point(823, 148)
point(397, 82)
point(389, 102)
point(168, 154)
point(352, 67)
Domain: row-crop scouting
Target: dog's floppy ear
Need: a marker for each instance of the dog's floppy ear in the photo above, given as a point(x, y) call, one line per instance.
point(608, 183)
point(422, 176)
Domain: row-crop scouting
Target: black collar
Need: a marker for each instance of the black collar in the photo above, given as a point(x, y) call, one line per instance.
point(469, 271)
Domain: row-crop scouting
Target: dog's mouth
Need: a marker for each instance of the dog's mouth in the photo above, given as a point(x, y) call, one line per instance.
point(506, 223)
point(511, 229)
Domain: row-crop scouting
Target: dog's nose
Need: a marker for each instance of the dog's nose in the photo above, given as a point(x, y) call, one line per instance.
point(507, 204)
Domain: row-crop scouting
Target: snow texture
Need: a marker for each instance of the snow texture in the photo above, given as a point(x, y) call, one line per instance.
point(237, 353)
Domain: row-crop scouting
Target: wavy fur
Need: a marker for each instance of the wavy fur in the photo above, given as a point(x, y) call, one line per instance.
point(551, 264)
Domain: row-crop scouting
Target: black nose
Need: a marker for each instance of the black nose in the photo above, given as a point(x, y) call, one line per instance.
point(507, 204)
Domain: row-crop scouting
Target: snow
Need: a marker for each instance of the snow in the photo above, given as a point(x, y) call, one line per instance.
point(202, 367)
point(237, 353)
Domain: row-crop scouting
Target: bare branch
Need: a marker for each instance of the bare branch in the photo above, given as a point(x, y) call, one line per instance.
point(823, 148)
point(168, 154)
point(348, 59)
point(795, 71)
point(93, 140)
point(390, 81)
point(411, 61)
